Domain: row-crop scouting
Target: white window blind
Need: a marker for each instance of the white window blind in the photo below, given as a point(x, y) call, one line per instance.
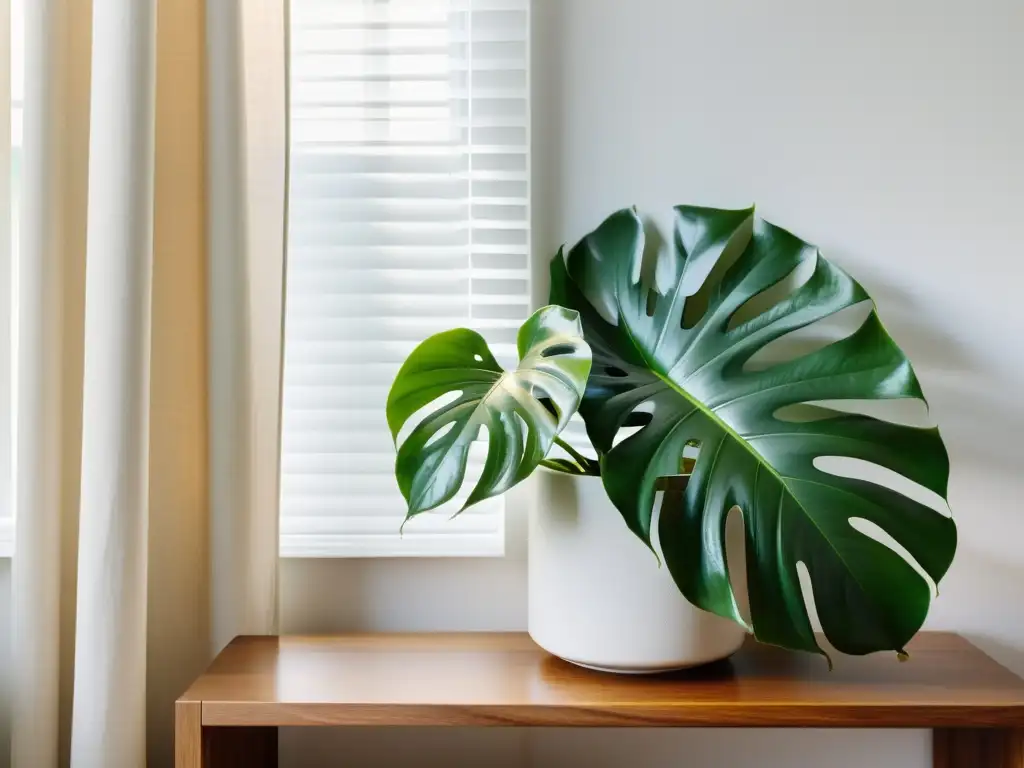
point(408, 215)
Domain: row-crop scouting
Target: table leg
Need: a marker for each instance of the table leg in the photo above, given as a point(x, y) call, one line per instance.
point(188, 734)
point(977, 747)
point(221, 747)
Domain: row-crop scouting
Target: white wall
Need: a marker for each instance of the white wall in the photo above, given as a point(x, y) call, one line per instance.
point(889, 132)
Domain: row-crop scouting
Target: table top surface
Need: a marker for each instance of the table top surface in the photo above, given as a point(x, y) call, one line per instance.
point(505, 679)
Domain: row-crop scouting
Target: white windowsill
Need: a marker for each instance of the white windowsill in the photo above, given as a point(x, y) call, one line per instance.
point(313, 544)
point(296, 545)
point(435, 536)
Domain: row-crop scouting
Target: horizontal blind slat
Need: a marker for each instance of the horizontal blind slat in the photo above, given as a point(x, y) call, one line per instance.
point(408, 215)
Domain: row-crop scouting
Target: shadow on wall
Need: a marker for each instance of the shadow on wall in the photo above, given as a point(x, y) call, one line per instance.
point(982, 425)
point(979, 419)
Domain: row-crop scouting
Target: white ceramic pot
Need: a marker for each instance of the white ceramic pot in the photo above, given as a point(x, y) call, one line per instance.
point(598, 597)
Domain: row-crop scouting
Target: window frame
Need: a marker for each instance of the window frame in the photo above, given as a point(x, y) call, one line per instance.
point(8, 277)
point(306, 536)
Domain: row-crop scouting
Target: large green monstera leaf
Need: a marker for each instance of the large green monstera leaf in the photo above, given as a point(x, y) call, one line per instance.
point(523, 410)
point(686, 385)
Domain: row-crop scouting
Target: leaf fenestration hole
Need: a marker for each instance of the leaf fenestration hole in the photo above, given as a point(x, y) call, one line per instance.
point(549, 406)
point(444, 430)
point(639, 418)
point(802, 413)
point(558, 349)
point(697, 304)
point(432, 407)
point(478, 358)
point(624, 434)
point(676, 484)
point(615, 372)
point(736, 560)
point(879, 534)
point(807, 592)
point(859, 469)
point(908, 411)
point(760, 303)
point(652, 302)
point(691, 451)
point(651, 259)
point(810, 338)
point(476, 458)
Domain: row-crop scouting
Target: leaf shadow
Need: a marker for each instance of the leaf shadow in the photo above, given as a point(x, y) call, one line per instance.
point(979, 420)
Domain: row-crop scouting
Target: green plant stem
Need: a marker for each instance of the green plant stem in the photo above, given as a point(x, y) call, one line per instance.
point(579, 458)
point(559, 468)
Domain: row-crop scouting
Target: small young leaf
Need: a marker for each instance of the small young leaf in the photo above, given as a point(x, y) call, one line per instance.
point(522, 410)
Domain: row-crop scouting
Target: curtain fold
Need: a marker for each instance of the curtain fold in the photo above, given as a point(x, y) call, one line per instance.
point(149, 364)
point(36, 569)
point(109, 715)
point(246, 193)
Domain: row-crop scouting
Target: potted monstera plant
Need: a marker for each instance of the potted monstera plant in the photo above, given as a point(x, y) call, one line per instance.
point(709, 461)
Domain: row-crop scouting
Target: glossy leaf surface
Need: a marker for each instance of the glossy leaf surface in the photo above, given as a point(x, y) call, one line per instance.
point(682, 377)
point(522, 410)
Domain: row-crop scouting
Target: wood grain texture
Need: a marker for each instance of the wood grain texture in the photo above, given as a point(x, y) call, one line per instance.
point(188, 743)
point(504, 679)
point(978, 748)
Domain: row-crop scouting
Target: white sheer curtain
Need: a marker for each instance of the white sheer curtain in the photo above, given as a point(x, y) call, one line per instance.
point(149, 335)
point(247, 156)
point(112, 563)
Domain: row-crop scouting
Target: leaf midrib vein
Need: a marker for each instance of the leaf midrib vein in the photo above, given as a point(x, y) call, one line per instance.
point(472, 416)
point(462, 430)
point(735, 435)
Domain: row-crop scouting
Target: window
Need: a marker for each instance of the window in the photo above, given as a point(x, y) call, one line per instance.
point(11, 86)
point(408, 215)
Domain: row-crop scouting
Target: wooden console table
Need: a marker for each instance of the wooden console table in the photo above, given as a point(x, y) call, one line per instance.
point(230, 715)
